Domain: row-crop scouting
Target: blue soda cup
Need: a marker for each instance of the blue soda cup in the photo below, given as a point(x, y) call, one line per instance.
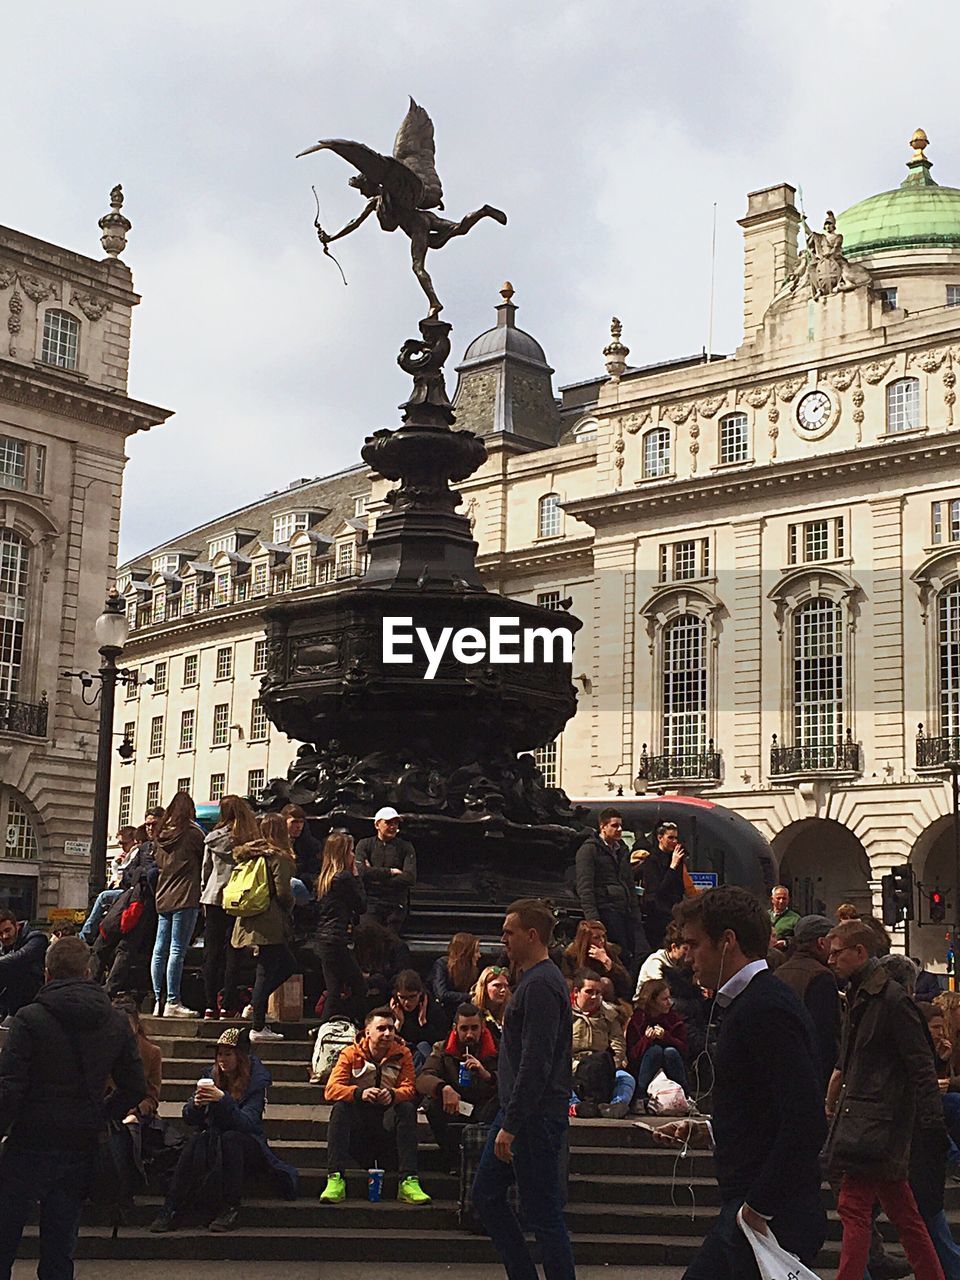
point(374, 1185)
point(465, 1077)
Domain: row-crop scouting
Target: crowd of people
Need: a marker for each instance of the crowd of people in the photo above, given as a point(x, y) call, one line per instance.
point(808, 1042)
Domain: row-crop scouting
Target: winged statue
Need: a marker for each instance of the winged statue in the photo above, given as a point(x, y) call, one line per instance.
point(403, 190)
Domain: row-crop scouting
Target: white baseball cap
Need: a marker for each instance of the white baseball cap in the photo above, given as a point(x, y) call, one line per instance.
point(385, 814)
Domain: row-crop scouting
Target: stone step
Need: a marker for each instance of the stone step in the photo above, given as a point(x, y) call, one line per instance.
point(161, 1029)
point(191, 1069)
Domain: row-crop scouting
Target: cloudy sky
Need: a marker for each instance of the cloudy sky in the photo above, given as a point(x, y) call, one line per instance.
point(607, 130)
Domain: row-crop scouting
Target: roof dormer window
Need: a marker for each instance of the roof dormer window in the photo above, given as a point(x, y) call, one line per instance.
point(286, 525)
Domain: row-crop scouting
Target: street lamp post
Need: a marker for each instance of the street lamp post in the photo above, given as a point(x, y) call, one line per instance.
point(954, 766)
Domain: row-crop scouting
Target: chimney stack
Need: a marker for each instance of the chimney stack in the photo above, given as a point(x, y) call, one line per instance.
point(769, 249)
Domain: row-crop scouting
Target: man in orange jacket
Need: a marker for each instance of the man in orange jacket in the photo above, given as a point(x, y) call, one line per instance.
point(373, 1091)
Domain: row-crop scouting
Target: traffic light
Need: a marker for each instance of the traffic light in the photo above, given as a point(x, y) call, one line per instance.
point(897, 895)
point(888, 911)
point(938, 907)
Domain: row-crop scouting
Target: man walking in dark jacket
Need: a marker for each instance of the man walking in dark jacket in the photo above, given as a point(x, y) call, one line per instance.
point(605, 886)
point(527, 1139)
point(21, 963)
point(59, 1054)
point(807, 973)
point(768, 1124)
point(884, 1095)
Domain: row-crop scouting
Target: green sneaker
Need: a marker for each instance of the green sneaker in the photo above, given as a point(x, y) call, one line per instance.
point(411, 1192)
point(335, 1190)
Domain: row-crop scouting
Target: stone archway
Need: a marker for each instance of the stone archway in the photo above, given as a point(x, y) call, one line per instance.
point(934, 865)
point(823, 863)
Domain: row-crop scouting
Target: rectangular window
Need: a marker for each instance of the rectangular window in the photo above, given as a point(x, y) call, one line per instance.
point(681, 561)
point(166, 563)
point(816, 540)
point(953, 295)
point(684, 561)
point(191, 665)
point(256, 780)
point(221, 590)
point(13, 463)
point(183, 784)
point(226, 543)
point(946, 521)
point(656, 453)
point(260, 571)
point(241, 590)
point(285, 526)
point(224, 663)
point(301, 569)
point(221, 726)
point(218, 785)
point(153, 795)
point(61, 334)
point(662, 572)
point(888, 298)
point(159, 605)
point(160, 677)
point(903, 405)
point(188, 723)
point(259, 657)
point(130, 730)
point(204, 596)
point(734, 438)
point(126, 802)
point(131, 686)
point(156, 736)
point(360, 505)
point(548, 599)
point(548, 762)
point(345, 559)
point(173, 608)
point(189, 597)
point(258, 722)
point(39, 467)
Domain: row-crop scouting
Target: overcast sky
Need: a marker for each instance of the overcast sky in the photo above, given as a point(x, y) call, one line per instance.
point(606, 130)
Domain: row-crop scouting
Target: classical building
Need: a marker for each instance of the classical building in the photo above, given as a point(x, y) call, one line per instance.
point(755, 543)
point(64, 417)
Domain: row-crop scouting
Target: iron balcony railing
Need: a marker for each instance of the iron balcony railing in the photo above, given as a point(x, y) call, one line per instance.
point(29, 718)
point(815, 757)
point(680, 766)
point(935, 752)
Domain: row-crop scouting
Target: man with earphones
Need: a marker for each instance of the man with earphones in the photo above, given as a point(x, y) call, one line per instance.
point(768, 1124)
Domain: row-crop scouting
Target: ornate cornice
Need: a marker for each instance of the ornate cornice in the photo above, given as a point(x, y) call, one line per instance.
point(51, 393)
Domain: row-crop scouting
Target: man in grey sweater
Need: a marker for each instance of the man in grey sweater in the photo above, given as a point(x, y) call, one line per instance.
point(528, 1137)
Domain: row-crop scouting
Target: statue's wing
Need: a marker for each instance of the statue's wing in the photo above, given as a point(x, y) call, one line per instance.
point(395, 177)
point(415, 148)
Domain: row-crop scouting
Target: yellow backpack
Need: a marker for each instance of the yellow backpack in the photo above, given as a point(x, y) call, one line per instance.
point(248, 889)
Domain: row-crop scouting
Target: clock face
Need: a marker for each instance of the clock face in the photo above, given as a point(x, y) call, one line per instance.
point(814, 410)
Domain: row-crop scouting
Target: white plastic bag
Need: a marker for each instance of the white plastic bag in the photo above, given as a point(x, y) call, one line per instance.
point(666, 1098)
point(773, 1262)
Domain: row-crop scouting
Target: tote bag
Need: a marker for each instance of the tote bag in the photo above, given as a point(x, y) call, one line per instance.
point(773, 1262)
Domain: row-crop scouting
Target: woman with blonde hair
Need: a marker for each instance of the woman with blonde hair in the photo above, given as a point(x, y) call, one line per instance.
point(237, 826)
point(270, 930)
point(453, 975)
point(591, 949)
point(491, 996)
point(341, 901)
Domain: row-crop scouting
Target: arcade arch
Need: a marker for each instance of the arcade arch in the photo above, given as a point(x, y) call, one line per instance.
point(823, 863)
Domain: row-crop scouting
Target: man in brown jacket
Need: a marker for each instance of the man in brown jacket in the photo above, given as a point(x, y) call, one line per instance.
point(806, 971)
point(459, 1081)
point(886, 1082)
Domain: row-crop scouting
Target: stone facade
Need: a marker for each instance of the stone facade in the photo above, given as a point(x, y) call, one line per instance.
point(64, 417)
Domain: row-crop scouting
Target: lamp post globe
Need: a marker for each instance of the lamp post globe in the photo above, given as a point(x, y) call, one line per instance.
point(112, 628)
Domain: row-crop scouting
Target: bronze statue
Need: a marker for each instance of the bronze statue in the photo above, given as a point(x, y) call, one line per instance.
point(403, 190)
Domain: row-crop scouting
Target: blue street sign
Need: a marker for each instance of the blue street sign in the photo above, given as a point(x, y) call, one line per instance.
point(704, 879)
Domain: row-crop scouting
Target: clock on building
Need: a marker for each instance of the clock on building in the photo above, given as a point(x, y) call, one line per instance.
point(814, 411)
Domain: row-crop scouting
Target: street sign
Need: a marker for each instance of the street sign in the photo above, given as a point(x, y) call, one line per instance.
point(704, 879)
point(76, 848)
point(66, 913)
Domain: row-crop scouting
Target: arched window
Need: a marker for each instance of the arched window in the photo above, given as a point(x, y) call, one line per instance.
point(818, 678)
point(19, 836)
point(14, 554)
point(734, 438)
point(684, 709)
point(656, 453)
point(948, 667)
point(549, 516)
point(903, 405)
point(61, 339)
point(586, 430)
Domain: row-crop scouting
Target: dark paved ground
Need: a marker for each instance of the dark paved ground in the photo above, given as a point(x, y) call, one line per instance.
point(96, 1270)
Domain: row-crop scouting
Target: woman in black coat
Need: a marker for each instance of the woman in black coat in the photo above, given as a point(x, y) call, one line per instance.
point(340, 903)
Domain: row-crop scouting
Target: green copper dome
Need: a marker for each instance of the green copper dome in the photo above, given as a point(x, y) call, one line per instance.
point(919, 214)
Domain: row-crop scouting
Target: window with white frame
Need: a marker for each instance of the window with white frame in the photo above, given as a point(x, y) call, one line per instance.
point(13, 463)
point(153, 795)
point(189, 597)
point(125, 807)
point(816, 540)
point(61, 340)
point(548, 599)
point(165, 563)
point(888, 296)
point(734, 438)
point(903, 405)
point(684, 560)
point(286, 525)
point(156, 736)
point(259, 657)
point(948, 642)
point(188, 725)
point(224, 667)
point(227, 542)
point(14, 562)
point(159, 605)
point(585, 431)
point(818, 673)
point(259, 724)
point(345, 553)
point(173, 608)
point(191, 666)
point(684, 689)
point(221, 725)
point(945, 521)
point(39, 467)
point(218, 785)
point(133, 681)
point(241, 589)
point(20, 838)
point(183, 784)
point(656, 453)
point(130, 730)
point(221, 588)
point(204, 595)
point(256, 781)
point(360, 505)
point(549, 516)
point(160, 677)
point(261, 573)
point(953, 295)
point(301, 569)
point(548, 762)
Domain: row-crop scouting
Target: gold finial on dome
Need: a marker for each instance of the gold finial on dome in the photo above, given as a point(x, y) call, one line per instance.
point(506, 293)
point(919, 142)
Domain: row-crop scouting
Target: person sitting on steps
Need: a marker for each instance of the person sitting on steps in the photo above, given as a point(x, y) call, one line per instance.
point(602, 1086)
point(373, 1091)
point(459, 1081)
point(656, 1039)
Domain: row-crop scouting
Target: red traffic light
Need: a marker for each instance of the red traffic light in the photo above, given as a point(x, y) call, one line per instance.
point(938, 907)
